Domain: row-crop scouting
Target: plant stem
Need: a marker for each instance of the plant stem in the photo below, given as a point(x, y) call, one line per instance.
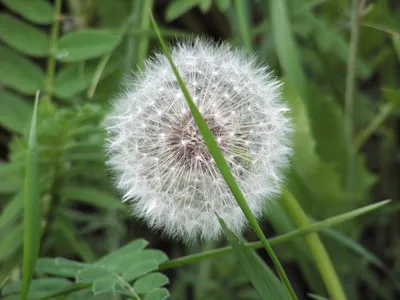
point(349, 92)
point(373, 126)
point(51, 62)
point(318, 251)
point(241, 11)
point(317, 226)
point(137, 45)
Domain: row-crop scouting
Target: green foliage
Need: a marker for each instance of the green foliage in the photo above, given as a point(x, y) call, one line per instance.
point(78, 70)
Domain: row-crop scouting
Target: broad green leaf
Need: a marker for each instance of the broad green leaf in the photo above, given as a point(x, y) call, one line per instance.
point(59, 267)
point(76, 78)
point(139, 270)
point(23, 37)
point(32, 207)
point(130, 248)
point(12, 177)
point(10, 242)
point(223, 5)
point(40, 287)
point(14, 112)
point(178, 7)
point(19, 73)
point(157, 294)
point(354, 246)
point(86, 44)
point(92, 273)
point(11, 210)
point(150, 282)
point(37, 11)
point(92, 196)
point(263, 279)
point(118, 264)
point(104, 285)
point(396, 45)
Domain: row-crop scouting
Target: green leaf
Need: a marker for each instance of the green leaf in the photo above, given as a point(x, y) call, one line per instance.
point(223, 5)
point(263, 280)
point(132, 247)
point(12, 177)
point(38, 11)
point(19, 73)
point(118, 264)
point(10, 243)
point(92, 196)
point(11, 210)
point(92, 273)
point(104, 285)
point(76, 78)
point(40, 287)
point(178, 8)
point(354, 246)
point(23, 37)
point(149, 282)
point(157, 294)
point(14, 112)
point(32, 208)
point(396, 45)
point(59, 267)
point(86, 44)
point(139, 270)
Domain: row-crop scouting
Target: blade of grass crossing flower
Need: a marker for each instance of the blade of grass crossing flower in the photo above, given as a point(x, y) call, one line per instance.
point(315, 227)
point(223, 166)
point(318, 251)
point(32, 208)
point(193, 258)
point(265, 283)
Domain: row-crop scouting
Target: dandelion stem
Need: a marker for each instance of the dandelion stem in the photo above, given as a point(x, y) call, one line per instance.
point(51, 62)
point(318, 251)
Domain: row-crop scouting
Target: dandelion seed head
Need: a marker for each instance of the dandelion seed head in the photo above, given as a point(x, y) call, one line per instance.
point(162, 165)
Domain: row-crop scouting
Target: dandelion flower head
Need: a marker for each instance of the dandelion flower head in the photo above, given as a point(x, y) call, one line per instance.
point(161, 162)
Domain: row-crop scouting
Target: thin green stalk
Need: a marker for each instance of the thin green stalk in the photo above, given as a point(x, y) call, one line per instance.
point(318, 251)
point(349, 91)
point(32, 208)
point(373, 126)
point(315, 227)
point(51, 62)
point(137, 45)
point(193, 258)
point(244, 27)
point(223, 166)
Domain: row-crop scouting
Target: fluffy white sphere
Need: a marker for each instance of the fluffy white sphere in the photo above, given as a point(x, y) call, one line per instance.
point(162, 164)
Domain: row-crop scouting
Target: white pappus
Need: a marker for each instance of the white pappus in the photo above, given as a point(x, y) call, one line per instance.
point(161, 162)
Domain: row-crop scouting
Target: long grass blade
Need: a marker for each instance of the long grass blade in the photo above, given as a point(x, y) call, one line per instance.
point(32, 208)
point(223, 166)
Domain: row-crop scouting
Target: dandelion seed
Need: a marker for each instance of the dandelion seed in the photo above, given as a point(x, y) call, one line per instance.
point(162, 164)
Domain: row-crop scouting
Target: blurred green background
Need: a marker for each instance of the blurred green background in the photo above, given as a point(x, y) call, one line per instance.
point(347, 75)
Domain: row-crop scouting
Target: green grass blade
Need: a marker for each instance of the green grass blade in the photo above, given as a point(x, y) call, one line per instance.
point(223, 166)
point(265, 283)
point(317, 249)
point(244, 27)
point(315, 227)
point(32, 208)
point(193, 258)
